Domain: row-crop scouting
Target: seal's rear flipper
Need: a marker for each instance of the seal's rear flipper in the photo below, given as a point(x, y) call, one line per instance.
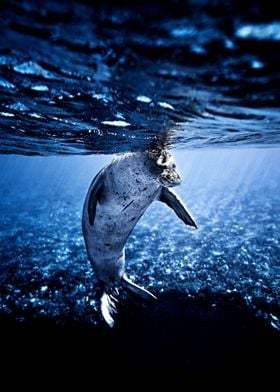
point(136, 291)
point(173, 201)
point(108, 308)
point(109, 301)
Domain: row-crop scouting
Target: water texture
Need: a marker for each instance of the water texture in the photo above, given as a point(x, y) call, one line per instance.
point(80, 78)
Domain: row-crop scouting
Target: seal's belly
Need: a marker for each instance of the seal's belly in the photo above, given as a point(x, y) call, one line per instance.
point(112, 225)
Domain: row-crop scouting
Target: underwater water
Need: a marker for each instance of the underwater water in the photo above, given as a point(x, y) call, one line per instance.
point(233, 194)
point(82, 83)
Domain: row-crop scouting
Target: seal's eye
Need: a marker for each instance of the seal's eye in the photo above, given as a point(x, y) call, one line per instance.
point(163, 160)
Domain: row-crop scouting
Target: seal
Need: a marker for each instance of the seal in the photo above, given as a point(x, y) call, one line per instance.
point(117, 198)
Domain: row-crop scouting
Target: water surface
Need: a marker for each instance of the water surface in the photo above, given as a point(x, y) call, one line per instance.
point(80, 79)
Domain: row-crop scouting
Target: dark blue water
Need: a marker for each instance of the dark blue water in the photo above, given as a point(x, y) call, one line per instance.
point(93, 80)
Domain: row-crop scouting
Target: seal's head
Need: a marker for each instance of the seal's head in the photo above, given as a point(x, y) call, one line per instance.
point(165, 169)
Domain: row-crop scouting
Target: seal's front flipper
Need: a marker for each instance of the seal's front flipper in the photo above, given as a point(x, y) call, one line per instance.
point(136, 291)
point(172, 200)
point(108, 308)
point(93, 195)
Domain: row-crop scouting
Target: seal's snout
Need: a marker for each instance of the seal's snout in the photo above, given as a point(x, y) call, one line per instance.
point(176, 179)
point(169, 177)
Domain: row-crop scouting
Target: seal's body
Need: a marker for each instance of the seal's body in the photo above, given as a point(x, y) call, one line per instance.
point(117, 198)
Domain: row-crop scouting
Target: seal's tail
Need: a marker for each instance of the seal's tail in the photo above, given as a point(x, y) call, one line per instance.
point(136, 291)
point(109, 299)
point(109, 308)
